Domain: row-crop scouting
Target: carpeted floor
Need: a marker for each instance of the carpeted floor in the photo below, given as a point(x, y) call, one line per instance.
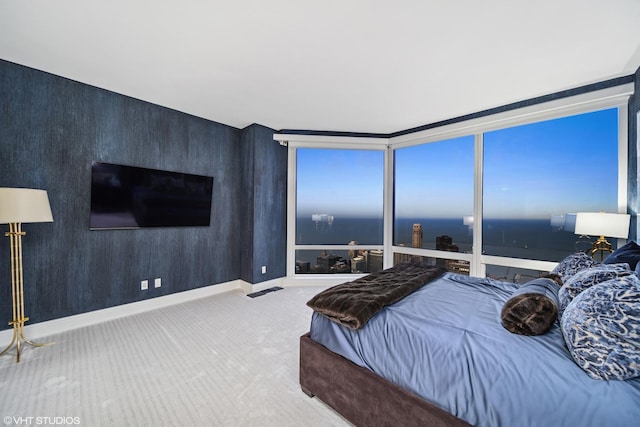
point(226, 360)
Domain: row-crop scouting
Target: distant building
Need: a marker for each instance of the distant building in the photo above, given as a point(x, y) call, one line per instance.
point(458, 266)
point(416, 242)
point(416, 237)
point(340, 266)
point(445, 243)
point(358, 264)
point(303, 267)
point(399, 258)
point(375, 260)
point(353, 252)
point(326, 261)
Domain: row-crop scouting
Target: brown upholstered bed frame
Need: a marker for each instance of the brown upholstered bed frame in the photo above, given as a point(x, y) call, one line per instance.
point(362, 397)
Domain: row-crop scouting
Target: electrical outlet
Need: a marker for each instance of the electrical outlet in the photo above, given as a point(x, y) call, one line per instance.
point(264, 269)
point(157, 282)
point(144, 285)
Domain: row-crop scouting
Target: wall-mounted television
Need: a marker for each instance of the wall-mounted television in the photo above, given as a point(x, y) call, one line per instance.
point(135, 197)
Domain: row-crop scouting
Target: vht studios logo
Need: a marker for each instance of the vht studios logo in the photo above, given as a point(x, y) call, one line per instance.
point(41, 421)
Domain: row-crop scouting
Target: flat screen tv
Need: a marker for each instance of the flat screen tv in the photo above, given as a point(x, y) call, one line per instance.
point(134, 197)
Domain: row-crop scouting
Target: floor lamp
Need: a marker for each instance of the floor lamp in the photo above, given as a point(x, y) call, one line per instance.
point(17, 206)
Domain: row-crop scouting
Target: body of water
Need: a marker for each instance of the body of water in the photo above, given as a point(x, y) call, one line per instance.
point(529, 239)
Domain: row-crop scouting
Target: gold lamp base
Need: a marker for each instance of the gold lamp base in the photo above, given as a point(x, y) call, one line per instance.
point(17, 292)
point(18, 338)
point(602, 246)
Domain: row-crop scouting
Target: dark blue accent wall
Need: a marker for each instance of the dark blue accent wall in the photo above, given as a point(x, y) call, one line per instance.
point(265, 198)
point(633, 199)
point(52, 128)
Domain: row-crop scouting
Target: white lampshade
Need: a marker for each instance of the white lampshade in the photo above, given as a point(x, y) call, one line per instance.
point(602, 224)
point(23, 205)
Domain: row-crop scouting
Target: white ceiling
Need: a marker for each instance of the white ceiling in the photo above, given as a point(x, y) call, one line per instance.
point(377, 66)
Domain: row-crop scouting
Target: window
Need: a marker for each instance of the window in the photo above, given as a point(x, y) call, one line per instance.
point(339, 201)
point(537, 176)
point(534, 178)
point(489, 196)
point(433, 206)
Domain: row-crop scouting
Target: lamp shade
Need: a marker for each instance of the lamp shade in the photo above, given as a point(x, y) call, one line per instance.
point(21, 205)
point(602, 224)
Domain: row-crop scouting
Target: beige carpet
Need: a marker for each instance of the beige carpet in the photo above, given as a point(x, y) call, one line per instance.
point(226, 360)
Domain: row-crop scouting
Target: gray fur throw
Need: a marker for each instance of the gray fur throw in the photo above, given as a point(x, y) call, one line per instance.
point(352, 304)
point(533, 308)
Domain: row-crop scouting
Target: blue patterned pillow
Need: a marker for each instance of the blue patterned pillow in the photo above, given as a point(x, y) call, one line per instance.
point(572, 264)
point(586, 278)
point(601, 327)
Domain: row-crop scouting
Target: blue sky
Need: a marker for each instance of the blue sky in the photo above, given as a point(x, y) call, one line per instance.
point(340, 182)
point(558, 166)
point(534, 171)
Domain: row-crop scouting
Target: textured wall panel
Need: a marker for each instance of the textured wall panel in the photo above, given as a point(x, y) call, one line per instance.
point(264, 185)
point(270, 207)
point(51, 129)
point(633, 199)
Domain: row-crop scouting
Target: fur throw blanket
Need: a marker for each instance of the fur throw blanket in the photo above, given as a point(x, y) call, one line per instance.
point(533, 308)
point(352, 304)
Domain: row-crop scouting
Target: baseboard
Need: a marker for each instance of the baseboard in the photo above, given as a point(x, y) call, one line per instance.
point(248, 287)
point(63, 324)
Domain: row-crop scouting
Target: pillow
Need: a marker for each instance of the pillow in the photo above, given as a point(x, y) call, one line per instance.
point(533, 308)
point(572, 264)
point(586, 278)
point(601, 328)
point(629, 253)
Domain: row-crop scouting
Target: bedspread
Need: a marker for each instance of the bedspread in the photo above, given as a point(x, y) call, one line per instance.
point(445, 343)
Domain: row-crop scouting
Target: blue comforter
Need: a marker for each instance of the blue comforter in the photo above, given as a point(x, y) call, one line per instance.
point(446, 344)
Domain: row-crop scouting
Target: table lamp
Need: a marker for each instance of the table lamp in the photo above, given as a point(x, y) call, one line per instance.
point(17, 206)
point(602, 224)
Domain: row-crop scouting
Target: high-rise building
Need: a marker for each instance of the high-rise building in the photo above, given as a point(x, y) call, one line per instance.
point(353, 252)
point(374, 260)
point(399, 258)
point(445, 243)
point(458, 266)
point(416, 239)
point(326, 261)
point(302, 267)
point(358, 264)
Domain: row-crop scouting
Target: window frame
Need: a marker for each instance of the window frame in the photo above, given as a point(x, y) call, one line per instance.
point(452, 255)
point(612, 97)
point(342, 143)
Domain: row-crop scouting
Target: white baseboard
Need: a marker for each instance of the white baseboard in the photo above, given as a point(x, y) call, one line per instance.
point(63, 324)
point(248, 287)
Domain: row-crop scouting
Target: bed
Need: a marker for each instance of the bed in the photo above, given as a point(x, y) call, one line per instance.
point(446, 353)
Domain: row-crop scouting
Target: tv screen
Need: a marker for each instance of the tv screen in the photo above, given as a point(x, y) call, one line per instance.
point(134, 197)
